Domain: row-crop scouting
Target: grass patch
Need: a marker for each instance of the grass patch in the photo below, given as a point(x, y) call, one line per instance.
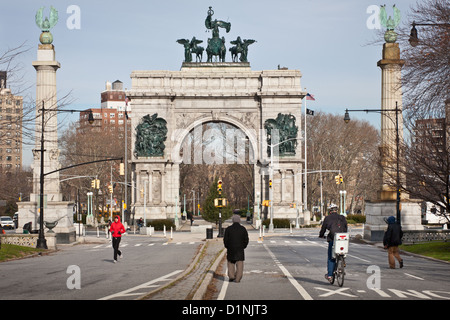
point(434, 249)
point(12, 251)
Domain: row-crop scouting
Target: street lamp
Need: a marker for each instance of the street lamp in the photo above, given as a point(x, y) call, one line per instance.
point(397, 110)
point(414, 38)
point(41, 241)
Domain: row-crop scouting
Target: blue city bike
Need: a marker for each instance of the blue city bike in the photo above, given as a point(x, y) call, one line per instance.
point(340, 250)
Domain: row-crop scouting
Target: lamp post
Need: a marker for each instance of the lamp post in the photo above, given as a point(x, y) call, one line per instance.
point(41, 241)
point(343, 194)
point(125, 206)
point(397, 143)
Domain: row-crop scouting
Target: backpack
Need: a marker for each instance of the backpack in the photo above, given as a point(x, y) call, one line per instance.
point(338, 226)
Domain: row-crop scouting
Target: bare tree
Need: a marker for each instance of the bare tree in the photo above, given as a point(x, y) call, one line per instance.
point(80, 146)
point(425, 161)
point(350, 148)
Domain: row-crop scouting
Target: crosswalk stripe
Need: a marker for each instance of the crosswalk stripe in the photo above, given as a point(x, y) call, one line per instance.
point(108, 245)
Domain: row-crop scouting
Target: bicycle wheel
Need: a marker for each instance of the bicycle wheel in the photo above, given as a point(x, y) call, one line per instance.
point(340, 270)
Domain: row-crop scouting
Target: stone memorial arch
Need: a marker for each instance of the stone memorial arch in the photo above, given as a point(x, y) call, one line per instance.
point(266, 107)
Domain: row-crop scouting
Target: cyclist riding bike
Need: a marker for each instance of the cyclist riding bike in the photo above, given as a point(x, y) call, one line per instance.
point(335, 223)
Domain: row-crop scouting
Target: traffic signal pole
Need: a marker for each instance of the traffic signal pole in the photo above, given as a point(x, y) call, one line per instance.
point(219, 188)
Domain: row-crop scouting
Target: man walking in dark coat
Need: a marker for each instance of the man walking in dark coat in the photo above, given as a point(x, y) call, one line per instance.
point(235, 240)
point(391, 240)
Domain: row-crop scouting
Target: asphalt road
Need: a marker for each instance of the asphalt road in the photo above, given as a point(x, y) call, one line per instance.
point(87, 271)
point(281, 267)
point(293, 268)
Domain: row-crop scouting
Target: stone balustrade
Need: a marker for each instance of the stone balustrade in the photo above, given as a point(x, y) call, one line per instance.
point(415, 236)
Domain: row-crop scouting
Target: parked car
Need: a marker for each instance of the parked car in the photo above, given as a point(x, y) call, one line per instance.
point(6, 222)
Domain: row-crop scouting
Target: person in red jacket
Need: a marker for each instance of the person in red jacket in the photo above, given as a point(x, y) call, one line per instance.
point(116, 229)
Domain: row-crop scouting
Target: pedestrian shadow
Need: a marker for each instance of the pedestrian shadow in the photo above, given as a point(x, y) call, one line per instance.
point(108, 260)
point(218, 276)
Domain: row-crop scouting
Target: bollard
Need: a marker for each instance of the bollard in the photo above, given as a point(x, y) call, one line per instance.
point(98, 233)
point(171, 235)
point(164, 231)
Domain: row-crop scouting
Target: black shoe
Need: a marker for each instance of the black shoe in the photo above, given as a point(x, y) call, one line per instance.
point(401, 264)
point(231, 280)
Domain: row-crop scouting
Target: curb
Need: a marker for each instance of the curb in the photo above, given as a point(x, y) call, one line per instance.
point(209, 276)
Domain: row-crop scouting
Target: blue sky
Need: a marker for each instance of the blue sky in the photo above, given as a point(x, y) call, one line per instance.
point(327, 40)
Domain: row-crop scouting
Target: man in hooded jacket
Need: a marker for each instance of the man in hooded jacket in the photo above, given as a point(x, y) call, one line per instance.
point(391, 240)
point(235, 240)
point(116, 229)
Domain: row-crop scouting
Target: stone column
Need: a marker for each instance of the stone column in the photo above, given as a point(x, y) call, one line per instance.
point(391, 95)
point(46, 67)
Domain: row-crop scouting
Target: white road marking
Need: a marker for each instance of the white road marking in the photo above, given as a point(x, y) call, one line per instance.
point(331, 292)
point(415, 277)
point(296, 285)
point(358, 258)
point(146, 285)
point(223, 290)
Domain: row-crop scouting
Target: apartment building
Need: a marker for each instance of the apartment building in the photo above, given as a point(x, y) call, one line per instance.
point(11, 111)
point(114, 111)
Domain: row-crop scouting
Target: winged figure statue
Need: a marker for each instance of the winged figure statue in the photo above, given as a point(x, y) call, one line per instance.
point(390, 23)
point(48, 23)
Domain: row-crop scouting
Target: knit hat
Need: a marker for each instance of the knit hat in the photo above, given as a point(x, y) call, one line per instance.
point(236, 218)
point(390, 220)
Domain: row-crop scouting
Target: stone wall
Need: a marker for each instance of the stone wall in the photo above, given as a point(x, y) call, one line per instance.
point(25, 240)
point(28, 240)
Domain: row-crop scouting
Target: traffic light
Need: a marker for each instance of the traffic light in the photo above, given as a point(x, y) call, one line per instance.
point(122, 169)
point(339, 179)
point(219, 186)
point(93, 184)
point(270, 184)
point(110, 188)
